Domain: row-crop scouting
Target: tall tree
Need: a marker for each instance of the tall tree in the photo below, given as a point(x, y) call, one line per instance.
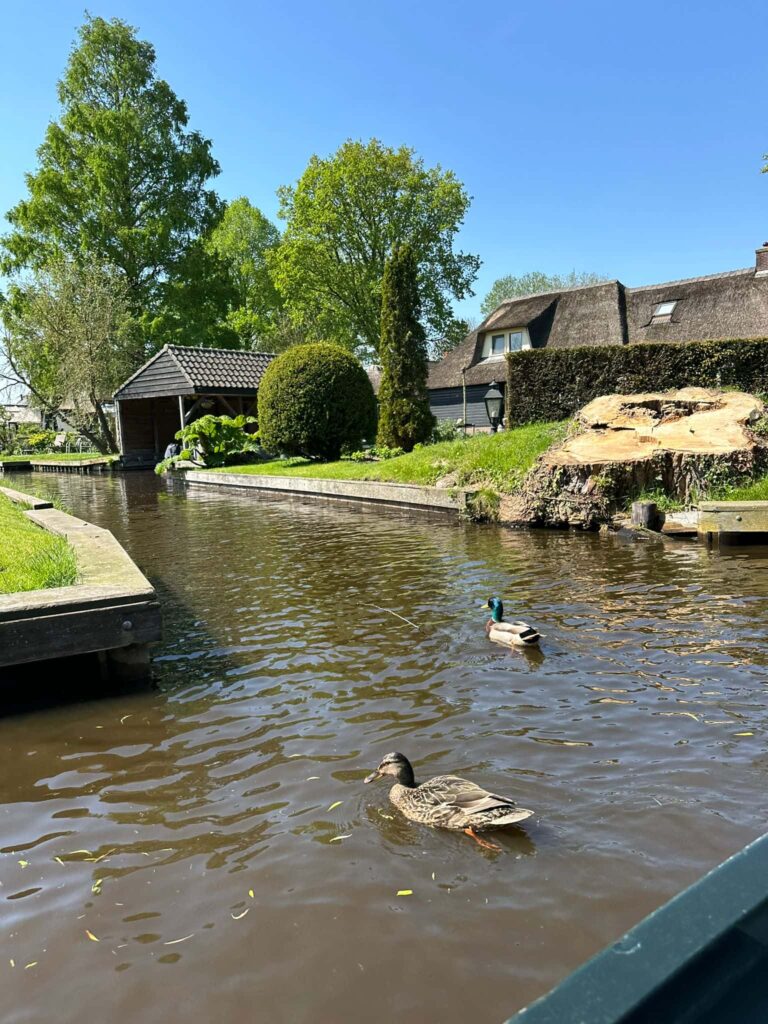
point(241, 240)
point(69, 342)
point(404, 416)
point(343, 218)
point(122, 182)
point(511, 287)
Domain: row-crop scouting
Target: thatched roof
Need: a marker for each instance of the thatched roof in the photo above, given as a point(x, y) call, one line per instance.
point(729, 305)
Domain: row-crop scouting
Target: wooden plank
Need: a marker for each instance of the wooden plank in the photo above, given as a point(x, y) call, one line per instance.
point(733, 517)
point(78, 632)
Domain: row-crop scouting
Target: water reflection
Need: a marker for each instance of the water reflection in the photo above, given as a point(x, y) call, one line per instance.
point(148, 819)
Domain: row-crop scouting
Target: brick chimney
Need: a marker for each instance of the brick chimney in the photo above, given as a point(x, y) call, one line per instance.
point(761, 267)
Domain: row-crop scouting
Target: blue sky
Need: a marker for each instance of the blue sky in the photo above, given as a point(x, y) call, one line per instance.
point(621, 138)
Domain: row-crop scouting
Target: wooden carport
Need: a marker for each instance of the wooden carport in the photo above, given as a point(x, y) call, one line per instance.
point(178, 385)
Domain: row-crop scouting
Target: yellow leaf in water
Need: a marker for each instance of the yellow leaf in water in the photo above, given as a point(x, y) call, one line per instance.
point(237, 917)
point(24, 863)
point(337, 839)
point(743, 734)
point(337, 803)
point(33, 964)
point(405, 892)
point(91, 936)
point(12, 963)
point(250, 893)
point(96, 887)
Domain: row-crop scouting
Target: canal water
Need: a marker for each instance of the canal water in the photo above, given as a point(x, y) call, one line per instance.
point(206, 850)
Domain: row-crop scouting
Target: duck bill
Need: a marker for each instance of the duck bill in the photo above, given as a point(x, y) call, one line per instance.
point(485, 607)
point(373, 776)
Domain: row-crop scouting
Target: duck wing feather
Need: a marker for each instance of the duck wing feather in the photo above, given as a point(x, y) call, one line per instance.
point(459, 803)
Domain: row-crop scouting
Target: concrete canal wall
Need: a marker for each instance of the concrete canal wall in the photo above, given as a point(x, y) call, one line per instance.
point(113, 610)
point(404, 496)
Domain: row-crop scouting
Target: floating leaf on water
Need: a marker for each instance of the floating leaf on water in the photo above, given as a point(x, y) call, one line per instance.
point(433, 876)
point(250, 893)
point(96, 887)
point(743, 734)
point(561, 743)
point(24, 863)
point(336, 803)
point(95, 860)
point(59, 860)
point(237, 917)
point(175, 942)
point(12, 962)
point(405, 892)
point(91, 936)
point(337, 839)
point(33, 964)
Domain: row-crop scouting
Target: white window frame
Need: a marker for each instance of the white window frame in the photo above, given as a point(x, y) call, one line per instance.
point(664, 310)
point(487, 352)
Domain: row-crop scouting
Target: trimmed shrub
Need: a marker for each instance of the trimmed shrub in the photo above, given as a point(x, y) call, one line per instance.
point(316, 400)
point(552, 384)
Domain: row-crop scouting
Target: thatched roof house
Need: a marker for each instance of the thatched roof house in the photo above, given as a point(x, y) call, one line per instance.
point(733, 304)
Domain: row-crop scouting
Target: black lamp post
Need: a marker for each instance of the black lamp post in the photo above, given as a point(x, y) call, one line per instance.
point(494, 400)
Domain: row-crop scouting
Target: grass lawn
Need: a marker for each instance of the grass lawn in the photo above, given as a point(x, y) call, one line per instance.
point(496, 461)
point(30, 557)
point(58, 457)
point(755, 491)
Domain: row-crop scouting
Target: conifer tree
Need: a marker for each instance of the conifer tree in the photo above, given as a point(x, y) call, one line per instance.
point(404, 416)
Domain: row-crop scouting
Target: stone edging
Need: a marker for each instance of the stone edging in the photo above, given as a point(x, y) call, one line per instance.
point(404, 496)
point(113, 607)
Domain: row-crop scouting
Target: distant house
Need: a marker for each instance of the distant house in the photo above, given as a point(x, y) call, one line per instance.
point(733, 304)
point(178, 385)
point(22, 415)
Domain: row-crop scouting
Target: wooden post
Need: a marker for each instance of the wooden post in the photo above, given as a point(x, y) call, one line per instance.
point(181, 412)
point(645, 513)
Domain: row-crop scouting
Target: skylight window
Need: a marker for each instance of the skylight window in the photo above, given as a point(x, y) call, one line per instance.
point(664, 309)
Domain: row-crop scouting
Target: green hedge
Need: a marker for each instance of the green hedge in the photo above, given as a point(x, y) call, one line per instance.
point(552, 384)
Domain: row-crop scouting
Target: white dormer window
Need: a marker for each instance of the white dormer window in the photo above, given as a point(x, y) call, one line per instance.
point(495, 346)
point(664, 310)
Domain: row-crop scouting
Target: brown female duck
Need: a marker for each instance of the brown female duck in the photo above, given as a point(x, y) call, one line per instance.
point(448, 801)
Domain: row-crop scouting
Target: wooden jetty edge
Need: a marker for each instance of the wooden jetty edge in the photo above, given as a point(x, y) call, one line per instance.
point(113, 610)
point(701, 958)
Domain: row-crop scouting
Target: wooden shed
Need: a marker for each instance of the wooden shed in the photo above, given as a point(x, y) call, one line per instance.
point(177, 386)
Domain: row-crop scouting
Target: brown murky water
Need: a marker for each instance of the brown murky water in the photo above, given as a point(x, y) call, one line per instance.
point(638, 737)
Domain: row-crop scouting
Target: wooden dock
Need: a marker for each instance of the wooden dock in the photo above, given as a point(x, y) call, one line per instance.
point(718, 518)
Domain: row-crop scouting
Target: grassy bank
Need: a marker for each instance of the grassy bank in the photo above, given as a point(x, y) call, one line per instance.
point(757, 490)
point(497, 461)
point(59, 457)
point(31, 558)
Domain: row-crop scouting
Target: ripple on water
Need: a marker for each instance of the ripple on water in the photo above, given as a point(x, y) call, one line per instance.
point(218, 826)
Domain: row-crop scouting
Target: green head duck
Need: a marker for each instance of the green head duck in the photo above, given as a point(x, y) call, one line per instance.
point(496, 608)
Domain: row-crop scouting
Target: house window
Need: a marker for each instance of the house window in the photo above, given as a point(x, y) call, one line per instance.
point(664, 310)
point(497, 345)
point(516, 341)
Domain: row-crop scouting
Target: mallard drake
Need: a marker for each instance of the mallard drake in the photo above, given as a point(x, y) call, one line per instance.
point(447, 801)
point(510, 634)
